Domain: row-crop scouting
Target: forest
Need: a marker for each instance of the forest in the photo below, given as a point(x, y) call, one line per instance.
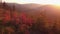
point(44, 19)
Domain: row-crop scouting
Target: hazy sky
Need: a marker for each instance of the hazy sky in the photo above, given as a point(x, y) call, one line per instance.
point(34, 1)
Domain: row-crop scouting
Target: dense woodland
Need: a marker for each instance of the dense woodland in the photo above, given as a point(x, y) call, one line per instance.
point(40, 21)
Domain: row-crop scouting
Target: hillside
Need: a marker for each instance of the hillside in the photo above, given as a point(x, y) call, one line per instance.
point(29, 18)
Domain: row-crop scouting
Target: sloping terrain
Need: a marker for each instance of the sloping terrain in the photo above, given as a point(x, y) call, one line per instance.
point(29, 18)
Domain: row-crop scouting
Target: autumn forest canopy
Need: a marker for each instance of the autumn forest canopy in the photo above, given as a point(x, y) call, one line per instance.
point(29, 18)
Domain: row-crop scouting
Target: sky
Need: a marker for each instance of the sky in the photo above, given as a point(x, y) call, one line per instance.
point(34, 1)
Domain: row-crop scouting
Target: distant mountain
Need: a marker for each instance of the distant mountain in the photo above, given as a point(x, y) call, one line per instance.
point(23, 7)
point(33, 8)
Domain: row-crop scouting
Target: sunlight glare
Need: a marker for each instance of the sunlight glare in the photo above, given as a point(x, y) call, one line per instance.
point(56, 2)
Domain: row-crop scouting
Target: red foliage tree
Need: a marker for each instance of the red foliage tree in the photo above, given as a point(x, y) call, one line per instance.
point(6, 17)
point(23, 17)
point(29, 21)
